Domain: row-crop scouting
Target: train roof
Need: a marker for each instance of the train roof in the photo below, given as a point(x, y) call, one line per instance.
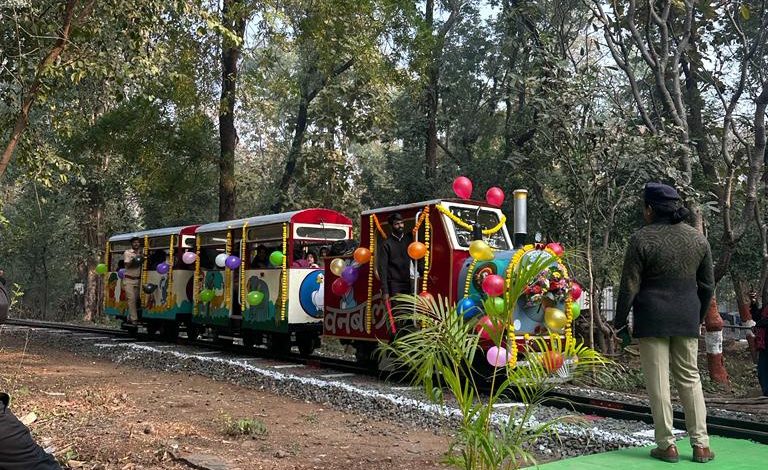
point(306, 216)
point(430, 202)
point(157, 232)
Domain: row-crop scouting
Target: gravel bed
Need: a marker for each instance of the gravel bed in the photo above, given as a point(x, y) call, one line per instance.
point(366, 396)
point(712, 408)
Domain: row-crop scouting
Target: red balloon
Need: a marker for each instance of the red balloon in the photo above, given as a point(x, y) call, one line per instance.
point(462, 186)
point(426, 296)
point(489, 331)
point(495, 196)
point(575, 291)
point(493, 285)
point(556, 248)
point(552, 360)
point(340, 287)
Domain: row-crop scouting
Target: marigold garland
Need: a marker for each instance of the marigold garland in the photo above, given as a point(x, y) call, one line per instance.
point(424, 219)
point(284, 275)
point(568, 322)
point(169, 299)
point(228, 274)
point(144, 271)
point(242, 268)
point(470, 273)
point(196, 280)
point(378, 227)
point(456, 219)
point(106, 284)
point(371, 264)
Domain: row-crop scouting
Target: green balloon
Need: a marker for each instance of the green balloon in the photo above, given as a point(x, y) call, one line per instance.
point(101, 268)
point(276, 258)
point(255, 297)
point(575, 310)
point(495, 305)
point(207, 295)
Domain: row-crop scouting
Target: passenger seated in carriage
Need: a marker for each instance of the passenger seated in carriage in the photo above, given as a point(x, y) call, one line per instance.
point(261, 260)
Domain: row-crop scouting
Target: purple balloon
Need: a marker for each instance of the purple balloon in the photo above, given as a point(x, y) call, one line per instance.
point(189, 257)
point(349, 275)
point(233, 262)
point(121, 273)
point(163, 268)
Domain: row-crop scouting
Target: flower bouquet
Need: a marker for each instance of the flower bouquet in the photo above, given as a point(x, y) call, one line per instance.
point(549, 287)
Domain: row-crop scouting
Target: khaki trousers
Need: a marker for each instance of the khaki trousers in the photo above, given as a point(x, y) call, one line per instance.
point(132, 296)
point(675, 355)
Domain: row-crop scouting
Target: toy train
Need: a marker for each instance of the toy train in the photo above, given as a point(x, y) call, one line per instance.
point(254, 279)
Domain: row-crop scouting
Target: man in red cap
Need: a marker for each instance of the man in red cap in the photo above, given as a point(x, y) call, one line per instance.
point(668, 281)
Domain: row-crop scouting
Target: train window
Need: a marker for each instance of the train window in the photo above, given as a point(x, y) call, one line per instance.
point(265, 232)
point(320, 232)
point(160, 242)
point(213, 238)
point(487, 218)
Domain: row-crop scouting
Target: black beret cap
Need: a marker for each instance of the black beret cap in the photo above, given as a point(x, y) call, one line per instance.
point(394, 218)
point(658, 192)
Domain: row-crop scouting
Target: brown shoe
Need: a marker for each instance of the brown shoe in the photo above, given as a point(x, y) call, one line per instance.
point(702, 454)
point(667, 455)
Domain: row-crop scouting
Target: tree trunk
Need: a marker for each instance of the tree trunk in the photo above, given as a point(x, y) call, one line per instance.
point(22, 120)
point(297, 143)
point(233, 18)
point(96, 240)
point(714, 343)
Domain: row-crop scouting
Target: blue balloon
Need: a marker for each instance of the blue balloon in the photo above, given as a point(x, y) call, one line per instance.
point(468, 308)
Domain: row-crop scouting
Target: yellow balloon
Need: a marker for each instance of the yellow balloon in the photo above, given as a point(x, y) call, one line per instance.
point(555, 319)
point(480, 250)
point(337, 266)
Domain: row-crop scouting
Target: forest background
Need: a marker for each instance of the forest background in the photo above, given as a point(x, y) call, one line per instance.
point(120, 115)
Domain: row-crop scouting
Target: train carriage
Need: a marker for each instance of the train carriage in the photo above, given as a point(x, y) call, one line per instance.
point(447, 227)
point(251, 283)
point(165, 299)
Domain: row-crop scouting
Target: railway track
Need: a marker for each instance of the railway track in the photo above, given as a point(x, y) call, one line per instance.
point(717, 425)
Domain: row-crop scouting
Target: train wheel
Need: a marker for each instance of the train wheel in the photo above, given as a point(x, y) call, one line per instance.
point(306, 344)
point(152, 328)
point(250, 338)
point(193, 331)
point(169, 331)
point(365, 354)
point(279, 343)
point(218, 339)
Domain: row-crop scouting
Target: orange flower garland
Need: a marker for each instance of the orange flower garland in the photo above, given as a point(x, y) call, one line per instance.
point(284, 276)
point(372, 247)
point(196, 280)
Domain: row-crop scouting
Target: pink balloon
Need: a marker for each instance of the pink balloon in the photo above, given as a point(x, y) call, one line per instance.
point(575, 291)
point(497, 356)
point(556, 248)
point(493, 285)
point(495, 196)
point(462, 186)
point(189, 257)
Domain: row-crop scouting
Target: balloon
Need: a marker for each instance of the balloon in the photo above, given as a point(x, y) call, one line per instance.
point(350, 274)
point(417, 250)
point(575, 291)
point(575, 311)
point(362, 255)
point(494, 305)
point(462, 186)
point(495, 196)
point(468, 308)
point(276, 258)
point(556, 248)
point(189, 257)
point(254, 297)
point(555, 319)
point(339, 287)
point(101, 268)
point(149, 288)
point(552, 360)
point(426, 296)
point(337, 266)
point(480, 250)
point(488, 331)
point(121, 273)
point(163, 268)
point(493, 285)
point(221, 260)
point(206, 295)
point(497, 356)
point(232, 262)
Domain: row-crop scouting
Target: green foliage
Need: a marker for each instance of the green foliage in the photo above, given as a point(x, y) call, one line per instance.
point(442, 353)
point(244, 427)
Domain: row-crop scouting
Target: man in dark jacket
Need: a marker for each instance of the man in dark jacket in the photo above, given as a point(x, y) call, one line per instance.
point(760, 317)
point(18, 451)
point(394, 262)
point(668, 281)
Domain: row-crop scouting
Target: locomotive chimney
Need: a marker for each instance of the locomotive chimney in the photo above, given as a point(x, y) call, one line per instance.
point(521, 217)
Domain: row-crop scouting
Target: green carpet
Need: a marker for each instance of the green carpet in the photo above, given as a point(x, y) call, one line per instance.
point(731, 454)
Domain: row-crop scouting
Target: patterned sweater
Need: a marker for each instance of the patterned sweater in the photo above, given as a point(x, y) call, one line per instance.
point(667, 279)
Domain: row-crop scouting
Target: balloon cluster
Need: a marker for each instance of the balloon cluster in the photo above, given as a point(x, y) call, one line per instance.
point(462, 187)
point(224, 260)
point(348, 274)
